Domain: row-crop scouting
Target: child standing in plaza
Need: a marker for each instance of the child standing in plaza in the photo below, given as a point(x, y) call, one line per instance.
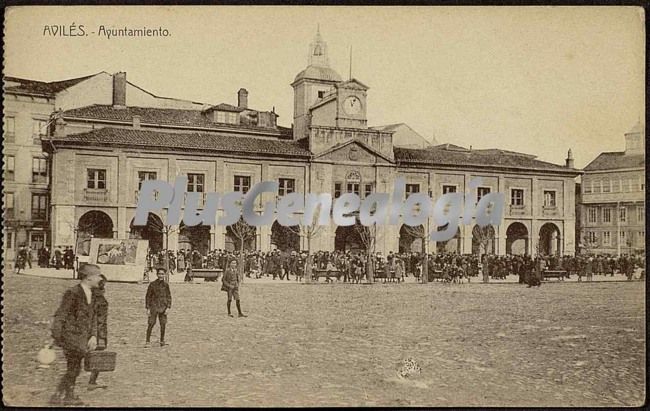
point(157, 301)
point(101, 311)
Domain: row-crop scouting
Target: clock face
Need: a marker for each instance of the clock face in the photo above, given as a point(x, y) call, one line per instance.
point(352, 105)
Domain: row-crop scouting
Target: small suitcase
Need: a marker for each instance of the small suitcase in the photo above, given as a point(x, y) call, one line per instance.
point(100, 361)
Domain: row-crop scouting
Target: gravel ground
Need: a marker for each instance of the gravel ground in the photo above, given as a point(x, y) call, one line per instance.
point(564, 344)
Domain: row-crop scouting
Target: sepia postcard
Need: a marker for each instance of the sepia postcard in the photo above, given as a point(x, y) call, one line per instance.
point(351, 206)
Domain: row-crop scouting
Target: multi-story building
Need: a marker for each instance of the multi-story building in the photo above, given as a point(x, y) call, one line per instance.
point(28, 109)
point(613, 199)
point(103, 152)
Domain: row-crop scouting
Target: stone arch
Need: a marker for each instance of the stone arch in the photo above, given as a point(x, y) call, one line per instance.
point(347, 238)
point(450, 246)
point(517, 239)
point(550, 240)
point(285, 238)
point(152, 231)
point(92, 224)
point(410, 238)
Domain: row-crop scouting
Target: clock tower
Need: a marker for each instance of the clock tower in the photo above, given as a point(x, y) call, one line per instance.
point(351, 104)
point(312, 85)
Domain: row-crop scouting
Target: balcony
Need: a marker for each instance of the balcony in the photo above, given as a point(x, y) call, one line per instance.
point(517, 209)
point(39, 179)
point(9, 214)
point(549, 210)
point(40, 215)
point(137, 195)
point(96, 195)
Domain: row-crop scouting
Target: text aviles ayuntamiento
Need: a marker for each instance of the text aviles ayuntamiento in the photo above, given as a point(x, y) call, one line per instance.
point(309, 209)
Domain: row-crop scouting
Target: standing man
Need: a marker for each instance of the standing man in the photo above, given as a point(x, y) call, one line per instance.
point(74, 330)
point(230, 284)
point(157, 301)
point(101, 312)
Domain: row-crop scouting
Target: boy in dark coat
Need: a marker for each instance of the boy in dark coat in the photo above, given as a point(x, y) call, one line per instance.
point(157, 301)
point(74, 329)
point(101, 312)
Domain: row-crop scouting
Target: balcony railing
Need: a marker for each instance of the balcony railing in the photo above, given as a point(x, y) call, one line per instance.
point(137, 195)
point(39, 214)
point(96, 195)
point(39, 179)
point(517, 209)
point(549, 210)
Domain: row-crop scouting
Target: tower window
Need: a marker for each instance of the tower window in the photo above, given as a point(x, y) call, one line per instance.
point(321, 93)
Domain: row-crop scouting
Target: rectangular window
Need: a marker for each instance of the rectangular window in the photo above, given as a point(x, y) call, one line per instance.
point(337, 190)
point(39, 170)
point(592, 215)
point(146, 176)
point(9, 205)
point(96, 179)
point(412, 189)
point(286, 186)
point(354, 188)
point(586, 187)
point(591, 237)
point(10, 168)
point(640, 214)
point(195, 183)
point(242, 184)
point(10, 126)
point(607, 238)
point(549, 198)
point(640, 238)
point(367, 190)
point(39, 206)
point(221, 116)
point(448, 189)
point(622, 237)
point(607, 215)
point(597, 186)
point(516, 197)
point(625, 186)
point(482, 191)
point(634, 184)
point(39, 128)
point(607, 186)
point(10, 241)
point(321, 93)
point(233, 118)
point(622, 214)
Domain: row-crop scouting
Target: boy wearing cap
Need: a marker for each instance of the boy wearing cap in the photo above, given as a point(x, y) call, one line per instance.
point(157, 301)
point(74, 329)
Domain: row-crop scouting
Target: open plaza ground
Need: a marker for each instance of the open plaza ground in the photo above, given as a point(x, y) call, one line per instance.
point(563, 344)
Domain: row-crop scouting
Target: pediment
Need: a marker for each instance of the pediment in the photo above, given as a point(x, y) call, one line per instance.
point(354, 84)
point(353, 151)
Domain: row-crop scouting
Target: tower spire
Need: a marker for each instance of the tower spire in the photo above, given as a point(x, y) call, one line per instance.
point(318, 51)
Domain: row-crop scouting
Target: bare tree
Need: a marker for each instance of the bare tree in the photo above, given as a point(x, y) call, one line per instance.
point(243, 232)
point(368, 236)
point(419, 232)
point(483, 235)
point(308, 231)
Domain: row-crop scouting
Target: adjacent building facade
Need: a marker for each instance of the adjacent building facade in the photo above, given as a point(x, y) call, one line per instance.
point(613, 199)
point(101, 153)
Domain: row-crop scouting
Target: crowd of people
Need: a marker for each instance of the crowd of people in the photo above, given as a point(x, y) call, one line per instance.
point(395, 267)
point(59, 259)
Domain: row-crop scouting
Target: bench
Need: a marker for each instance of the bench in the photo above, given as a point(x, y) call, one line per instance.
point(208, 274)
point(382, 274)
point(321, 272)
point(561, 274)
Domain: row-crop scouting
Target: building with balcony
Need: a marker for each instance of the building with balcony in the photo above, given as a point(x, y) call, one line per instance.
point(612, 217)
point(103, 152)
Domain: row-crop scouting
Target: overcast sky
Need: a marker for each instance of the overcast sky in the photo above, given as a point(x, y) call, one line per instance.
point(534, 80)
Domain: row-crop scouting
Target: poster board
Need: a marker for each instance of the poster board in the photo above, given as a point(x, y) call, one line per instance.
point(119, 259)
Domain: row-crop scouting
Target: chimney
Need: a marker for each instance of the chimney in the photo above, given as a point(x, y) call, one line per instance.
point(119, 89)
point(569, 160)
point(242, 98)
point(136, 121)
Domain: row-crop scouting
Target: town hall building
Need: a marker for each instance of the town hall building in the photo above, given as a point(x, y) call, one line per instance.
point(101, 153)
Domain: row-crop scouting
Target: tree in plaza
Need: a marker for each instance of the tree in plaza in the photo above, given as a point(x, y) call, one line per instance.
point(242, 233)
point(420, 233)
point(483, 236)
point(308, 231)
point(587, 245)
point(368, 236)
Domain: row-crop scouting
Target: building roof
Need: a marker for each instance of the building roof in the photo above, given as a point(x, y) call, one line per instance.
point(616, 160)
point(203, 142)
point(41, 88)
point(160, 116)
point(318, 73)
point(452, 156)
